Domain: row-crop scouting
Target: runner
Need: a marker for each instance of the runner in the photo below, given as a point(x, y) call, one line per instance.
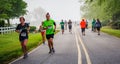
point(23, 30)
point(50, 27)
point(98, 26)
point(70, 25)
point(62, 26)
point(83, 26)
point(65, 25)
point(42, 32)
point(93, 25)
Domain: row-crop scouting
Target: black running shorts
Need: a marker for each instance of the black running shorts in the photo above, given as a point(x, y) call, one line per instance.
point(83, 29)
point(50, 36)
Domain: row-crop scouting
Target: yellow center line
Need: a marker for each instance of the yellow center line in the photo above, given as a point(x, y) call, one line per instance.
point(78, 47)
point(84, 48)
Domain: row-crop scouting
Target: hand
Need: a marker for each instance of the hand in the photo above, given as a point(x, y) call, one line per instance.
point(54, 30)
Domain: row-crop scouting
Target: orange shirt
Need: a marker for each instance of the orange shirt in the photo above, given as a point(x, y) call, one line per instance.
point(83, 24)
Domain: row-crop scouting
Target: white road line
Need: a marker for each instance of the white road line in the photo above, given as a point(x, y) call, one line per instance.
point(85, 50)
point(78, 47)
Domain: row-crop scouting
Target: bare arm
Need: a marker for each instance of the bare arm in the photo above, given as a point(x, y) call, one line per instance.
point(55, 26)
point(28, 29)
point(18, 31)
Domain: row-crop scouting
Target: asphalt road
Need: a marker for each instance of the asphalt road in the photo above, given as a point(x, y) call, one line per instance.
point(65, 47)
point(77, 49)
point(103, 49)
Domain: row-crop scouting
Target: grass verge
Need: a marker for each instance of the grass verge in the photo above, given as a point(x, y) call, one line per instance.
point(111, 31)
point(10, 46)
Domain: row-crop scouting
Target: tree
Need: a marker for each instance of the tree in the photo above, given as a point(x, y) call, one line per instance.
point(10, 9)
point(103, 9)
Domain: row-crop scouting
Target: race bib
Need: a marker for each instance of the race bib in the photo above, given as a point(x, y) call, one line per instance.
point(49, 27)
point(23, 34)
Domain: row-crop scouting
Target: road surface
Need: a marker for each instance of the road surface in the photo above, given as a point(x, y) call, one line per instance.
point(77, 49)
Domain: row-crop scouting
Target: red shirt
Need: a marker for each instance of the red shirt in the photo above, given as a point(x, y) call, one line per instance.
point(83, 24)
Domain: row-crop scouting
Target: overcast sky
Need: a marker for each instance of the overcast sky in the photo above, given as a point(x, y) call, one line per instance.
point(59, 9)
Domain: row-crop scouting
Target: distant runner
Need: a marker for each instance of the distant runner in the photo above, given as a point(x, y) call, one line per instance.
point(98, 26)
point(23, 30)
point(65, 25)
point(62, 26)
point(83, 26)
point(50, 26)
point(42, 32)
point(93, 25)
point(70, 26)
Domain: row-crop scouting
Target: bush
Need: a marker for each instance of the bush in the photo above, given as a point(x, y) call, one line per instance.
point(2, 23)
point(105, 23)
point(115, 24)
point(32, 28)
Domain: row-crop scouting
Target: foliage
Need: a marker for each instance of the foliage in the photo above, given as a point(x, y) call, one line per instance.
point(102, 9)
point(111, 31)
point(32, 28)
point(10, 9)
point(2, 23)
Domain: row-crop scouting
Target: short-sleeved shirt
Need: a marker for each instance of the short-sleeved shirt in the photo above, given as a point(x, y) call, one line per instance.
point(62, 23)
point(49, 24)
point(23, 30)
point(83, 24)
point(93, 23)
point(70, 23)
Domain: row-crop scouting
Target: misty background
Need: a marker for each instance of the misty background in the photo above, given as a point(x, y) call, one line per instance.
point(58, 9)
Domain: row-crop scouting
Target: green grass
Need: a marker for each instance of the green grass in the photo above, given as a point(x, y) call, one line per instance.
point(111, 31)
point(10, 47)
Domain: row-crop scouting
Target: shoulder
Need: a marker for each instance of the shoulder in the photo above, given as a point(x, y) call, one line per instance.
point(44, 21)
point(52, 20)
point(26, 24)
point(18, 25)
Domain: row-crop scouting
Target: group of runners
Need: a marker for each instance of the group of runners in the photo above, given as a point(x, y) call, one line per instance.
point(48, 28)
point(64, 25)
point(96, 26)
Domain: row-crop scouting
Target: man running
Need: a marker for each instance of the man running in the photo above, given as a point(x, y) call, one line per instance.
point(98, 26)
point(70, 25)
point(93, 25)
point(42, 32)
point(62, 26)
point(83, 26)
point(65, 25)
point(50, 26)
point(23, 30)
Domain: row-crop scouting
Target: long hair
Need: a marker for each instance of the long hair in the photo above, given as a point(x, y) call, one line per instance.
point(98, 20)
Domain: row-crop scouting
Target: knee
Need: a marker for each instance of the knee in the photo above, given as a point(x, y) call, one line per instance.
point(23, 45)
point(50, 40)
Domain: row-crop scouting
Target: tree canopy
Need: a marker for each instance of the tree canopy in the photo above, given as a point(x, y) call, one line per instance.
point(102, 9)
point(10, 9)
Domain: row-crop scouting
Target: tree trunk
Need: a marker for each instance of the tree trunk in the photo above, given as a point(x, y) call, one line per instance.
point(8, 22)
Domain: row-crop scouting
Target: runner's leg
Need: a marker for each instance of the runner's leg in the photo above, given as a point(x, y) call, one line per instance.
point(98, 31)
point(52, 47)
point(24, 48)
point(43, 37)
point(49, 45)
